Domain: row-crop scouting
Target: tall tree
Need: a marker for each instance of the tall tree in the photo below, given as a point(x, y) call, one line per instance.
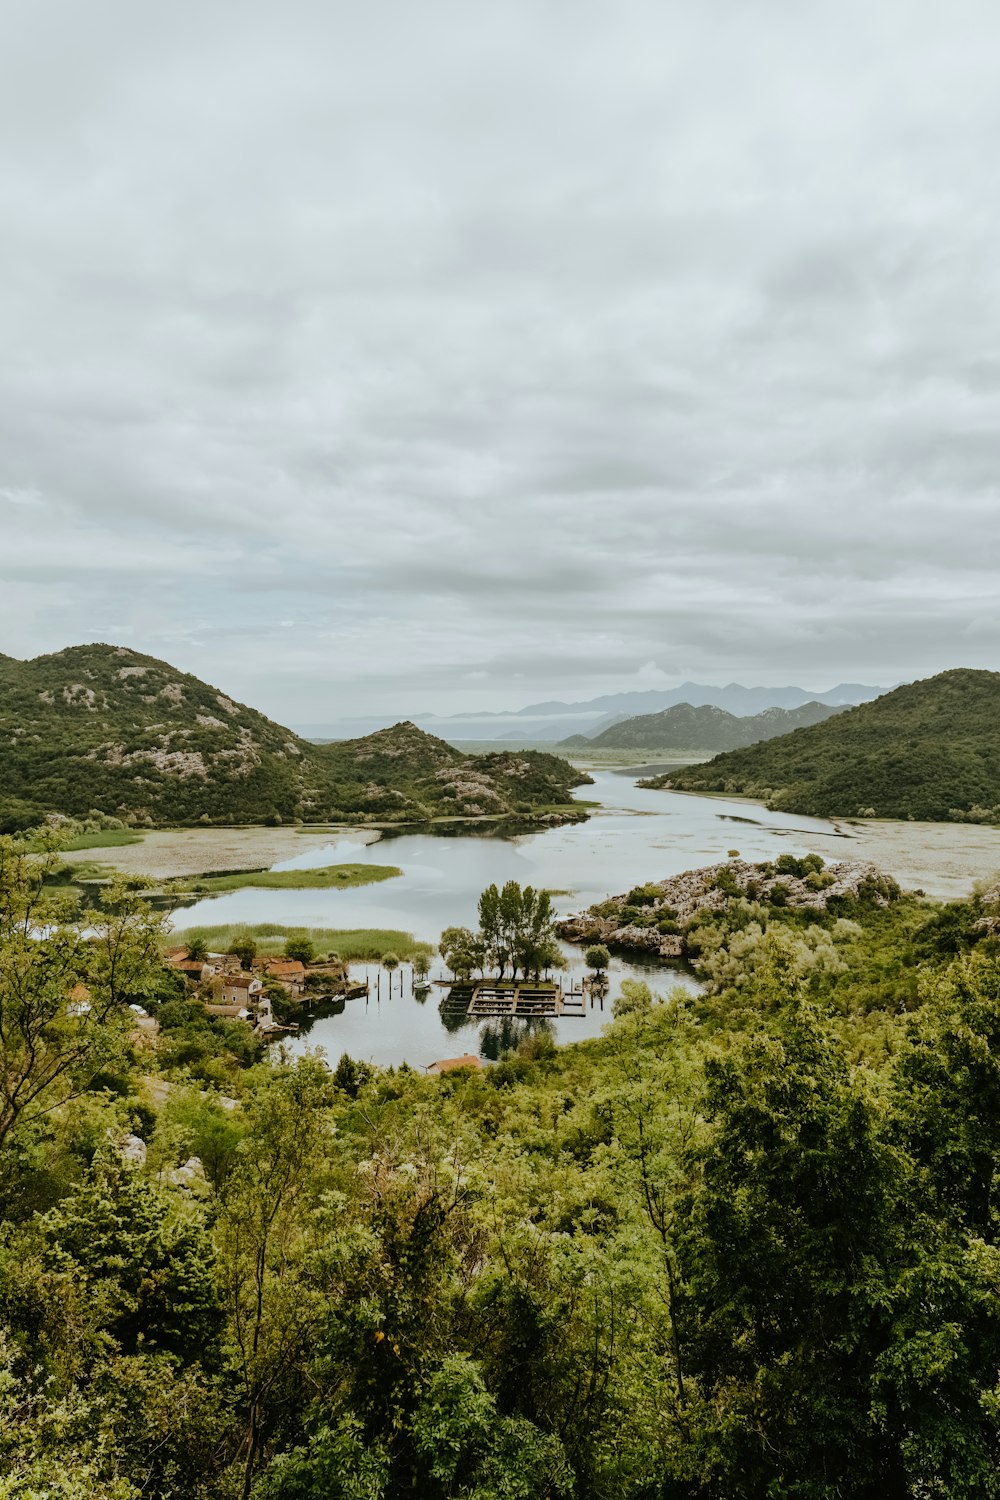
point(516, 928)
point(64, 986)
point(263, 1235)
point(786, 1252)
point(844, 1336)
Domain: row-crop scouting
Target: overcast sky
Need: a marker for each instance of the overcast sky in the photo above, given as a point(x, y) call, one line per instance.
point(397, 356)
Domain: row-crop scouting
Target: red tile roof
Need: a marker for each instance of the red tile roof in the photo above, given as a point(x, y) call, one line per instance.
point(239, 981)
point(449, 1064)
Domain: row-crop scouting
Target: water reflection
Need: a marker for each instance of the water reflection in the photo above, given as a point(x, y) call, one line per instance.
point(393, 1024)
point(583, 862)
point(507, 1034)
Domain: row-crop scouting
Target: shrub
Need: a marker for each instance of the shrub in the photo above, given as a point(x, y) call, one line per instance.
point(300, 948)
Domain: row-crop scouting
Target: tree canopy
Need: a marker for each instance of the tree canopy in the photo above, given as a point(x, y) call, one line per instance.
point(746, 1242)
point(516, 931)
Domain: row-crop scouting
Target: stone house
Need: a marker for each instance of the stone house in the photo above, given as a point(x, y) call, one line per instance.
point(240, 989)
point(192, 968)
point(289, 973)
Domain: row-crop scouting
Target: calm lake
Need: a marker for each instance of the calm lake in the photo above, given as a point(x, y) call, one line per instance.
point(634, 835)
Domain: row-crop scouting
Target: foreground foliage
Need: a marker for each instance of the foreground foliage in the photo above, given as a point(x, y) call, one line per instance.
point(744, 1244)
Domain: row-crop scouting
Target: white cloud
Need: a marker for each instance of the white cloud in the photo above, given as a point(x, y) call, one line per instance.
point(514, 346)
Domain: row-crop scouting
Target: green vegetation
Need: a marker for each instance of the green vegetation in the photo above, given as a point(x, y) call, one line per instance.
point(103, 838)
point(516, 927)
point(678, 917)
point(746, 1243)
point(300, 947)
point(327, 877)
point(104, 729)
point(597, 958)
point(705, 729)
point(352, 944)
point(605, 759)
point(925, 751)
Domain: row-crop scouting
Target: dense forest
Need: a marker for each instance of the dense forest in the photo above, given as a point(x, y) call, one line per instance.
point(105, 729)
point(744, 1244)
point(928, 750)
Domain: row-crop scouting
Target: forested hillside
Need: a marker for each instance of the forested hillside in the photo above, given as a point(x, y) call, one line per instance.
point(707, 727)
point(102, 728)
point(745, 1244)
point(929, 750)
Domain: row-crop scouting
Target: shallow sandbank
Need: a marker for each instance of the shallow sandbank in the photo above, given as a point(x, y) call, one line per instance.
point(941, 859)
point(168, 852)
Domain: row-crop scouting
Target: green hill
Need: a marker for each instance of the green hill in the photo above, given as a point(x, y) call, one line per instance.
point(706, 727)
point(103, 728)
point(928, 750)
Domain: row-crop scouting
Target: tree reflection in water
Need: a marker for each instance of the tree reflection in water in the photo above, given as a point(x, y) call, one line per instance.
point(507, 1034)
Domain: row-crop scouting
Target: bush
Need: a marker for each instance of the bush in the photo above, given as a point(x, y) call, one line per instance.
point(635, 997)
point(178, 1015)
point(299, 948)
point(245, 948)
point(350, 1076)
point(809, 864)
point(643, 895)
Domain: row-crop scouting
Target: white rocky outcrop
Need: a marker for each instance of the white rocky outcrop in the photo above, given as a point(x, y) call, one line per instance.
point(710, 888)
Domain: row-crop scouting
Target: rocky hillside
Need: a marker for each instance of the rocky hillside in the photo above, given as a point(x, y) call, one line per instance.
point(103, 728)
point(928, 750)
point(706, 728)
point(663, 917)
point(406, 772)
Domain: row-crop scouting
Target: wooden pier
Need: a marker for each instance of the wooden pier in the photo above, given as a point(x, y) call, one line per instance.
point(489, 999)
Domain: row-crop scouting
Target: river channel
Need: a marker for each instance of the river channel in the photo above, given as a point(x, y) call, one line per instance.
point(633, 836)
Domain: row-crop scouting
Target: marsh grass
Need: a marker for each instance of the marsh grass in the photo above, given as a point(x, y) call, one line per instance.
point(327, 877)
point(353, 944)
point(104, 838)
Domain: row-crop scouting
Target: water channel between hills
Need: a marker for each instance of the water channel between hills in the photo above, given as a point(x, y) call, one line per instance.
point(635, 835)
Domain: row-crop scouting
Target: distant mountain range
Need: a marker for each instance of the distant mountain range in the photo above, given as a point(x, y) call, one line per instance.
point(553, 720)
point(705, 728)
point(928, 750)
point(102, 728)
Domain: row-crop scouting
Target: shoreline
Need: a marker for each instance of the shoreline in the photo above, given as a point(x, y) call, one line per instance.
point(176, 853)
point(185, 852)
point(941, 860)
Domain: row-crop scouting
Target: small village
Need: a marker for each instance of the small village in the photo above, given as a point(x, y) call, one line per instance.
point(231, 987)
